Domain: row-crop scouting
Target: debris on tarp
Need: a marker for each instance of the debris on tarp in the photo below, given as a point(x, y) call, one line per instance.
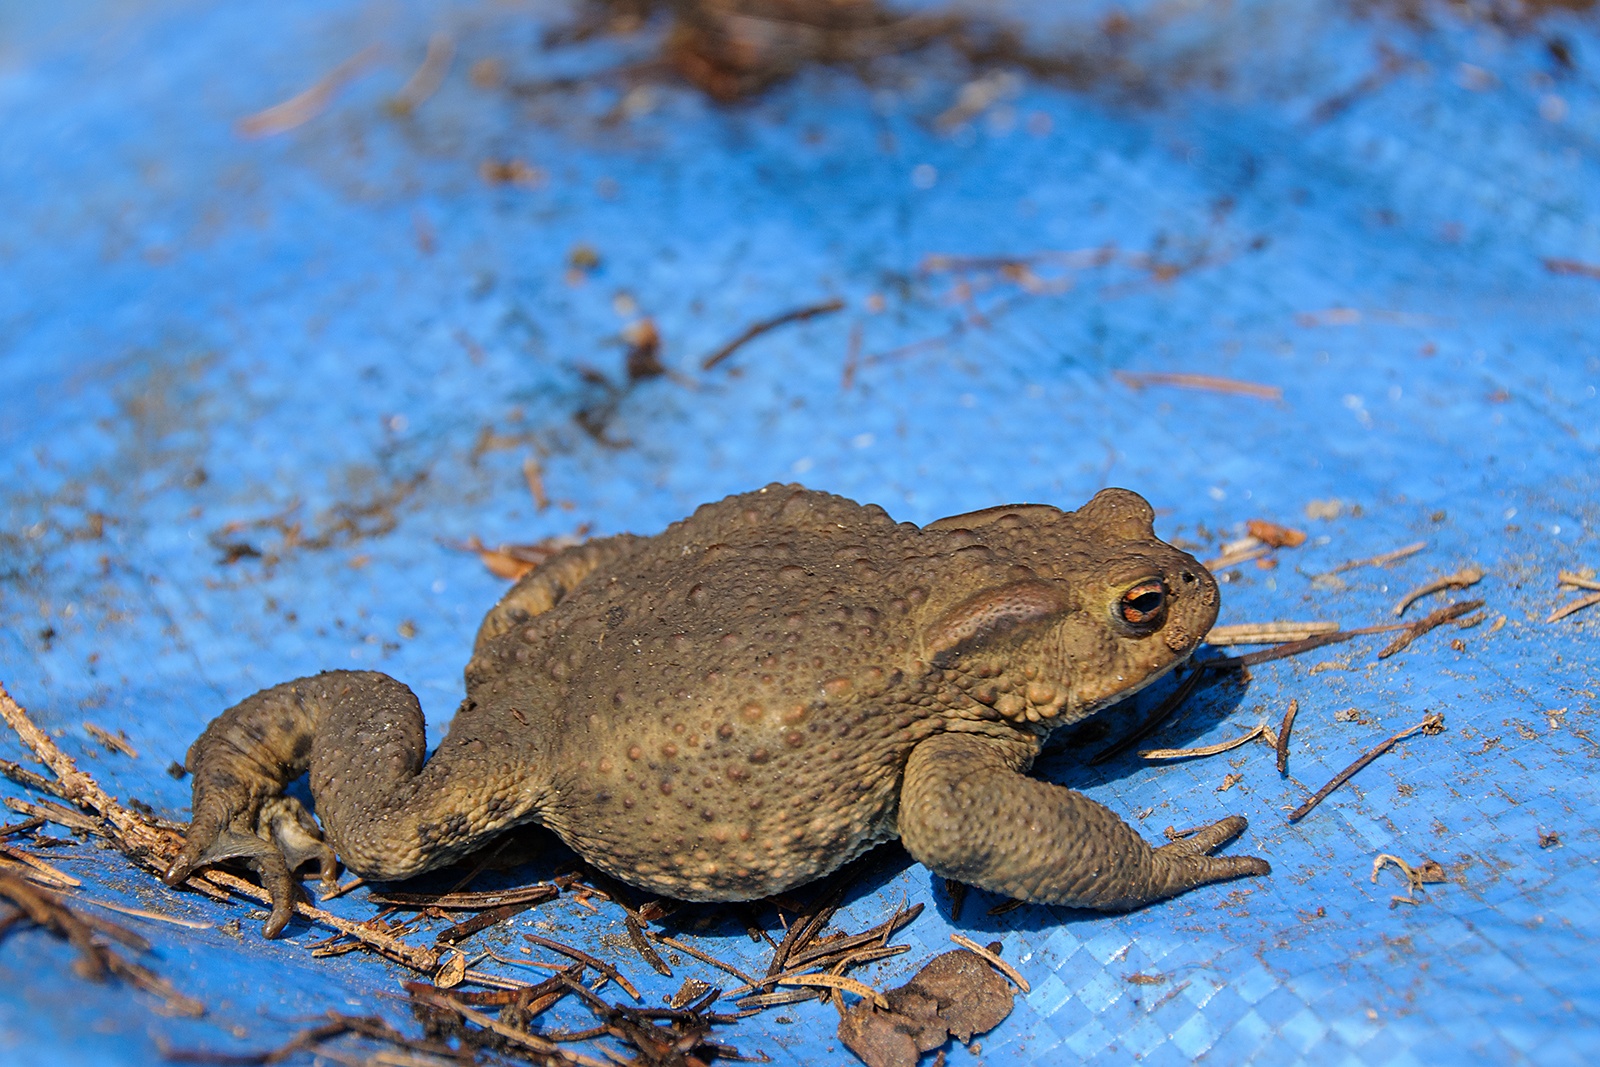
point(1461, 579)
point(1432, 723)
point(512, 561)
point(1424, 873)
point(1268, 633)
point(1570, 580)
point(957, 994)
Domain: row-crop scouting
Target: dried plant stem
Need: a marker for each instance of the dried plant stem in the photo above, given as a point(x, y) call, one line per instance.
point(1204, 750)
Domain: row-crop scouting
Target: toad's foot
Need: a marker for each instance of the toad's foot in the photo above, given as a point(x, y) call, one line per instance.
point(361, 736)
point(967, 813)
point(283, 839)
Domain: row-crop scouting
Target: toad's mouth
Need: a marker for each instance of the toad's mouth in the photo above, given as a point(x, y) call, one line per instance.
point(1091, 703)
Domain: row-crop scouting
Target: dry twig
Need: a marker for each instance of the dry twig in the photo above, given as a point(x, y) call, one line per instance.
point(1281, 742)
point(704, 957)
point(837, 981)
point(111, 742)
point(827, 307)
point(1572, 606)
point(427, 78)
point(1461, 579)
point(96, 961)
point(584, 958)
point(1382, 559)
point(1431, 621)
point(1157, 716)
point(1432, 723)
point(1577, 581)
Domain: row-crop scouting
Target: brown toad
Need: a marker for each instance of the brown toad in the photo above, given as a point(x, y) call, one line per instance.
point(748, 700)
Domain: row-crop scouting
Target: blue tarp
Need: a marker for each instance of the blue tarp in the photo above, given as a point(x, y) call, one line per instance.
point(255, 392)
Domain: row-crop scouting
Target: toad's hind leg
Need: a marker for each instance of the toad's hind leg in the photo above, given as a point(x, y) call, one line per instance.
point(969, 814)
point(361, 736)
point(549, 583)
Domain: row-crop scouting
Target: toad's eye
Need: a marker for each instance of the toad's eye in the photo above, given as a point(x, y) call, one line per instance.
point(1143, 605)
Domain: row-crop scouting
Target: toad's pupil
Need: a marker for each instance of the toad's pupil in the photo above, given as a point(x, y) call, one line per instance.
point(1140, 606)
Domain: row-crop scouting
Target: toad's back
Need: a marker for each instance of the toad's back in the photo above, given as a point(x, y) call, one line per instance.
point(729, 704)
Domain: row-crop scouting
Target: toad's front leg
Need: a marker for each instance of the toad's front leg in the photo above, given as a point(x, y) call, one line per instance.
point(361, 736)
point(967, 813)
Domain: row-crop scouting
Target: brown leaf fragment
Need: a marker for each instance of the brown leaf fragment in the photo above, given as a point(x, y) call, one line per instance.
point(1426, 872)
point(956, 994)
point(1275, 534)
point(513, 561)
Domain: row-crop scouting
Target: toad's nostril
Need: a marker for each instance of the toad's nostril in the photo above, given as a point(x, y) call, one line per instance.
point(1189, 578)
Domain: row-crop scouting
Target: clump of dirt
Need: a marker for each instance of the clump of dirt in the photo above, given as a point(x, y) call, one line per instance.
point(957, 994)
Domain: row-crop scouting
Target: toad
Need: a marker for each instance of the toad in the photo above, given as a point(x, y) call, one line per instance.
point(746, 701)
